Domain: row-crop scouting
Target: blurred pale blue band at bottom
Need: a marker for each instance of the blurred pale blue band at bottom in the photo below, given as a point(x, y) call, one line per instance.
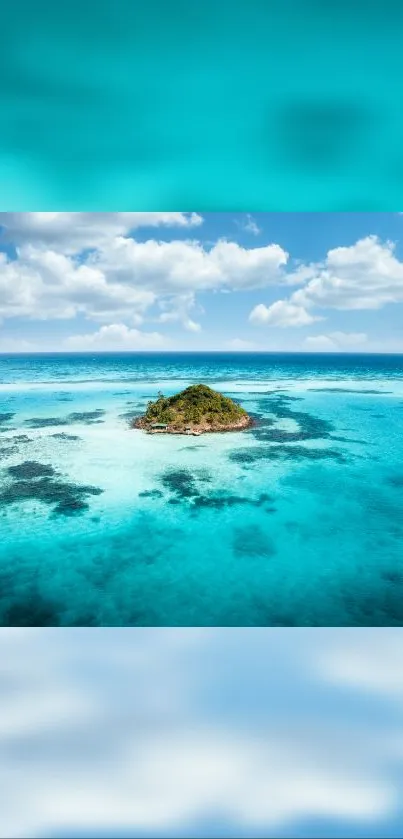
point(201, 732)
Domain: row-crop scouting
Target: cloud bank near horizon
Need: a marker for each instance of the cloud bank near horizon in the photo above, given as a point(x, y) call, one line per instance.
point(105, 281)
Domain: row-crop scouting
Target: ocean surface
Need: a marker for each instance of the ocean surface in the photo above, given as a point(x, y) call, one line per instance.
point(295, 522)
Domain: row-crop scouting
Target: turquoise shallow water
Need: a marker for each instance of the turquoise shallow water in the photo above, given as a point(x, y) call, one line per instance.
point(297, 521)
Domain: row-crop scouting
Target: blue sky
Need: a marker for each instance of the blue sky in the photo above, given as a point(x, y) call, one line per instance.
point(201, 281)
point(201, 732)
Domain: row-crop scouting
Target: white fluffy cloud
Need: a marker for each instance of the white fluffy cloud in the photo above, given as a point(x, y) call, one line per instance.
point(336, 341)
point(367, 275)
point(67, 265)
point(178, 267)
point(282, 313)
point(46, 285)
point(117, 336)
point(70, 264)
point(72, 232)
point(154, 729)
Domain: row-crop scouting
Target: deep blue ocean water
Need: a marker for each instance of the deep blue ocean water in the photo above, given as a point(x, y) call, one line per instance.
point(297, 521)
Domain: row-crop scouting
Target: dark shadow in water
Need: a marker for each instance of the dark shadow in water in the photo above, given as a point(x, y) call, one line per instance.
point(24, 605)
point(255, 454)
point(183, 487)
point(32, 481)
point(87, 417)
point(251, 541)
point(220, 502)
point(310, 427)
point(6, 417)
point(380, 605)
point(396, 481)
point(180, 482)
point(267, 394)
point(30, 469)
point(68, 438)
point(392, 575)
point(151, 493)
point(46, 422)
point(225, 500)
point(31, 611)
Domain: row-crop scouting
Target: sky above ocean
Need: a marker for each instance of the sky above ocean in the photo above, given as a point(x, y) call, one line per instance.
point(324, 282)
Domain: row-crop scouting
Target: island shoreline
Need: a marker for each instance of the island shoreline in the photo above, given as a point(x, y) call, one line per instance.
point(195, 411)
point(139, 425)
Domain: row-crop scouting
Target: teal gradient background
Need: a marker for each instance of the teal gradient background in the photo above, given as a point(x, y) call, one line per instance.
point(292, 105)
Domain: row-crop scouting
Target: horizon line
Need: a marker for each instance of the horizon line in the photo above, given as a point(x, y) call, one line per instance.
point(200, 352)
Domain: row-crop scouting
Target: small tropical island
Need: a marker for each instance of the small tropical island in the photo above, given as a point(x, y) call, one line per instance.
point(196, 410)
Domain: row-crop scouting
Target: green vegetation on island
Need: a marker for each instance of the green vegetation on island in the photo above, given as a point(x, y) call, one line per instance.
point(196, 409)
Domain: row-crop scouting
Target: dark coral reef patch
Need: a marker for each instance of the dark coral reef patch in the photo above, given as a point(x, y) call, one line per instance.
point(67, 438)
point(33, 481)
point(46, 422)
point(310, 427)
point(87, 417)
point(151, 493)
point(184, 486)
point(255, 454)
point(283, 443)
point(180, 482)
point(30, 469)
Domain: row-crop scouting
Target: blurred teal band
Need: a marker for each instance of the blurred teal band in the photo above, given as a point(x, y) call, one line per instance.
point(293, 105)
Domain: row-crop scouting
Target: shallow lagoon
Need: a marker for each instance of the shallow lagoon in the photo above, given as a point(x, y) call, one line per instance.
point(298, 521)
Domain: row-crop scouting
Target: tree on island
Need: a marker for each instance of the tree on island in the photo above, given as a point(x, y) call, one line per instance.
point(198, 407)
